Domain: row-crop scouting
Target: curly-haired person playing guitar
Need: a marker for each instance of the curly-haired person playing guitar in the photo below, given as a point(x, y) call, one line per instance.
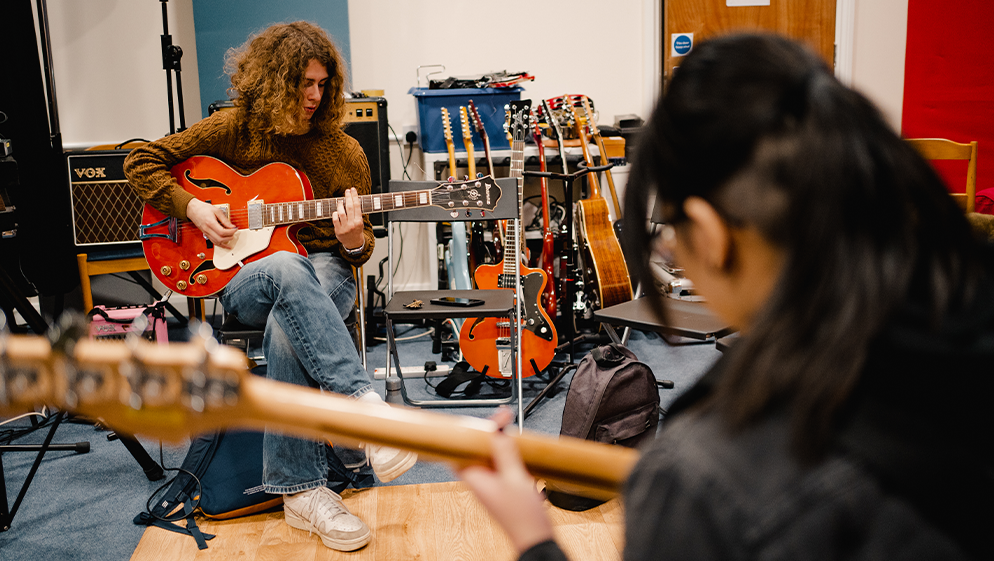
point(287, 83)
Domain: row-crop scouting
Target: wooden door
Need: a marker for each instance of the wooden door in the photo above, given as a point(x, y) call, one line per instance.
point(811, 21)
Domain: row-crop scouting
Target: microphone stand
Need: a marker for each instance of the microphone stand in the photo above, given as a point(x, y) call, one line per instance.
point(171, 57)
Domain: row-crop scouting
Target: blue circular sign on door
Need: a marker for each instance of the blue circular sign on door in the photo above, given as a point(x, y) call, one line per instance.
point(682, 44)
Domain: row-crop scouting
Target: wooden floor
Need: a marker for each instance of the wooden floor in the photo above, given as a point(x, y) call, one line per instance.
point(436, 521)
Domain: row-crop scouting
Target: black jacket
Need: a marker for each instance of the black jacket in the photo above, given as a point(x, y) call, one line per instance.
point(910, 473)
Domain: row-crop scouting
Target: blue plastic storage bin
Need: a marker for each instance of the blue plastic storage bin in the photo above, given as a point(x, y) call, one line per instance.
point(489, 103)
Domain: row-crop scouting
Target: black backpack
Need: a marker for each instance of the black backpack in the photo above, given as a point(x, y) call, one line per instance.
point(227, 466)
point(612, 398)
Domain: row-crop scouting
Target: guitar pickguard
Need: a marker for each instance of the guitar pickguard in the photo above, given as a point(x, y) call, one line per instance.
point(246, 244)
point(534, 320)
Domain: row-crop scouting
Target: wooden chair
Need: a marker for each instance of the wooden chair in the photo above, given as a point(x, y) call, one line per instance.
point(942, 149)
point(129, 261)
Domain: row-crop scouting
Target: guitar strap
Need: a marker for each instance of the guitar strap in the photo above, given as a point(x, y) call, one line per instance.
point(461, 374)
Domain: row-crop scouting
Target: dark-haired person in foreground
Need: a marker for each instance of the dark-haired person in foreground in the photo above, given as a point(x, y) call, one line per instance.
point(288, 83)
point(852, 419)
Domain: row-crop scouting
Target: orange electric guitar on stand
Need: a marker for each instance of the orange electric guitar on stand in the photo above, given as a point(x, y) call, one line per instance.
point(607, 279)
point(484, 340)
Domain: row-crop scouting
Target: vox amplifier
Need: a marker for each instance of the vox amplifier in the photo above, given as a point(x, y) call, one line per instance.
point(105, 209)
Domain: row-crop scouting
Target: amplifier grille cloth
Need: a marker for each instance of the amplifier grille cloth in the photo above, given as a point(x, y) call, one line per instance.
point(105, 212)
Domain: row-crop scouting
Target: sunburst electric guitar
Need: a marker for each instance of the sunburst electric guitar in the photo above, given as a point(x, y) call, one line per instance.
point(485, 342)
point(268, 207)
point(183, 389)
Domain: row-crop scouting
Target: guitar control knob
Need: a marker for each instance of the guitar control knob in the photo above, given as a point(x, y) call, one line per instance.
point(166, 270)
point(543, 330)
point(201, 279)
point(451, 204)
point(181, 285)
point(531, 321)
point(478, 184)
point(454, 214)
point(184, 264)
point(465, 202)
point(201, 256)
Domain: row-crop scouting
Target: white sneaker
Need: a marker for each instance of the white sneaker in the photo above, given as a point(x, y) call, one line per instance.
point(388, 463)
point(322, 512)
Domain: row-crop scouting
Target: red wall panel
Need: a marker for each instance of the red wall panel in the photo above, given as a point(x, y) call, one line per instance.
point(949, 81)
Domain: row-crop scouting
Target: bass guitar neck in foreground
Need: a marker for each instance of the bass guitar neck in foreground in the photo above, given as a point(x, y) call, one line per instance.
point(183, 389)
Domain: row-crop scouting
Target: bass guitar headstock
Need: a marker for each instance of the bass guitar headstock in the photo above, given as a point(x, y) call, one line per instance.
point(164, 391)
point(446, 126)
point(480, 129)
point(467, 134)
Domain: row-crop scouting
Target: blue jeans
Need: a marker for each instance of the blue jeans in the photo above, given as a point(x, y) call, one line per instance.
point(300, 301)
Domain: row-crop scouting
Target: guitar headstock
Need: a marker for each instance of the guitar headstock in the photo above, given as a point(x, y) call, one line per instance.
point(477, 120)
point(536, 126)
point(589, 114)
point(552, 120)
point(467, 135)
point(164, 391)
point(481, 193)
point(446, 126)
point(519, 118)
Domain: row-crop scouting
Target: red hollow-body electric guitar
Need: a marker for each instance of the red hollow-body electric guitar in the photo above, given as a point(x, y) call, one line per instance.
point(268, 207)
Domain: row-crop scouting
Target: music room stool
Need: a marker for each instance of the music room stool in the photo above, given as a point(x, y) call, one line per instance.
point(497, 303)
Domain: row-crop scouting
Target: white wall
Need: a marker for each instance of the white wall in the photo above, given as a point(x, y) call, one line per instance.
point(111, 85)
point(881, 32)
point(107, 59)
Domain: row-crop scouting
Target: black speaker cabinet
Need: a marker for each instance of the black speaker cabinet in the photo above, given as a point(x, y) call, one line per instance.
point(106, 212)
point(365, 121)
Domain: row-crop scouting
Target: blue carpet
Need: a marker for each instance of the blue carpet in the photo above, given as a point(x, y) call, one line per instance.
point(81, 506)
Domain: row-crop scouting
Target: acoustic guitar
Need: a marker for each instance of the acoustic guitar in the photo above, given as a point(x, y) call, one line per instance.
point(608, 281)
point(485, 342)
point(268, 207)
point(184, 389)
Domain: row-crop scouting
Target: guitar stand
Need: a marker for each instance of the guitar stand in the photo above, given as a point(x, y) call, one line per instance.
point(571, 266)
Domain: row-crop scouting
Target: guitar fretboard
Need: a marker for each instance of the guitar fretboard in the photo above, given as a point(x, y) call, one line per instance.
point(277, 214)
point(517, 172)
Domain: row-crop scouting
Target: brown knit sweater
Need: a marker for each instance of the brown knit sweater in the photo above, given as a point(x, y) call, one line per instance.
point(333, 163)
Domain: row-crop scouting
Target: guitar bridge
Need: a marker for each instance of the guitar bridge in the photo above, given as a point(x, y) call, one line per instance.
point(505, 362)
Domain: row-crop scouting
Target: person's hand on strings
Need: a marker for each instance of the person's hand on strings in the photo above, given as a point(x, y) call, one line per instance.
point(212, 221)
point(348, 221)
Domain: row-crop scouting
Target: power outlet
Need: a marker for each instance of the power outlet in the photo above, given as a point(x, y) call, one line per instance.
point(407, 131)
